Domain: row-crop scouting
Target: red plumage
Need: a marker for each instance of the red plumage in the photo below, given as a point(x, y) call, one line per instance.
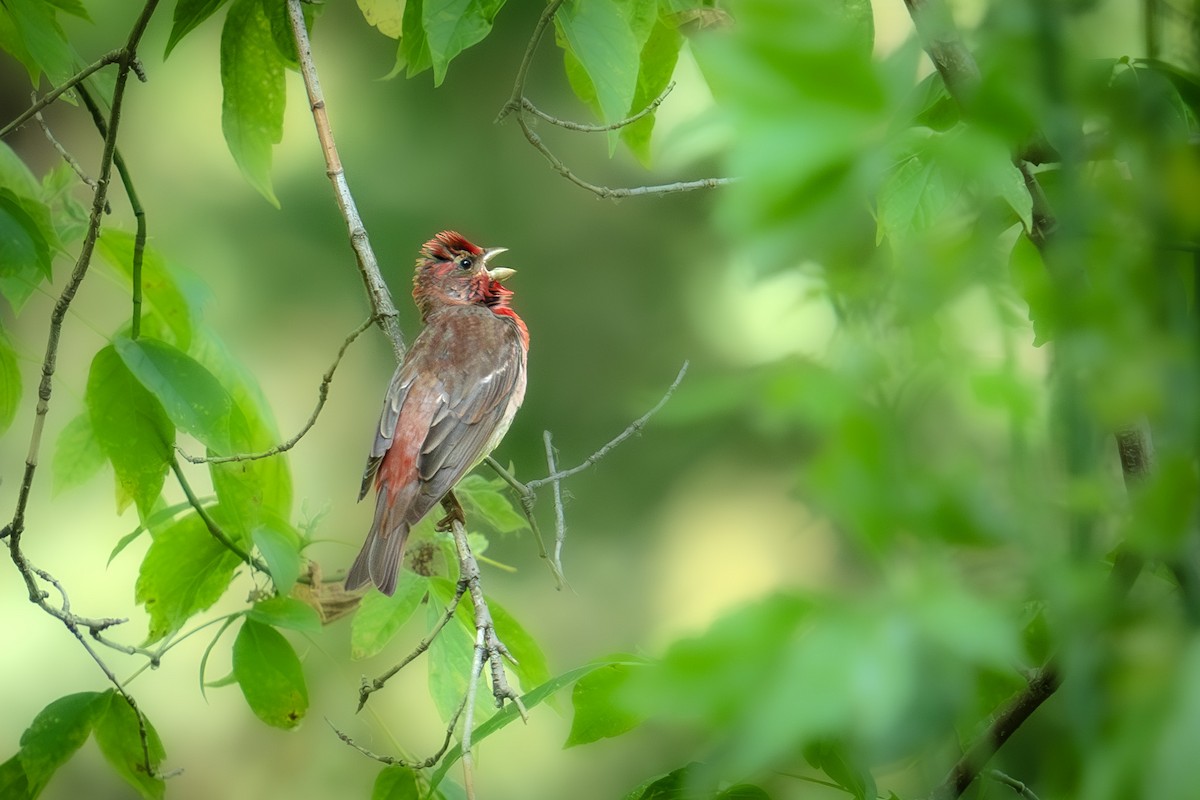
point(451, 401)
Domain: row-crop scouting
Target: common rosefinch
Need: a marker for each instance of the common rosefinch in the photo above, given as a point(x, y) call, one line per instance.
point(451, 401)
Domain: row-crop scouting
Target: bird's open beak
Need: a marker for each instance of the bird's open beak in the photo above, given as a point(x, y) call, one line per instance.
point(497, 273)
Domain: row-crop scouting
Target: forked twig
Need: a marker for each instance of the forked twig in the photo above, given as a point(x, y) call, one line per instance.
point(322, 396)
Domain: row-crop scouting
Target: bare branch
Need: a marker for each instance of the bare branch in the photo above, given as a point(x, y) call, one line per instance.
point(75, 166)
point(633, 428)
point(560, 523)
point(528, 105)
point(112, 57)
point(380, 298)
point(322, 396)
point(518, 103)
point(413, 764)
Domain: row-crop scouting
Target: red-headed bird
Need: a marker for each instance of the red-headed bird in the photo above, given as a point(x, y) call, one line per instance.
point(451, 401)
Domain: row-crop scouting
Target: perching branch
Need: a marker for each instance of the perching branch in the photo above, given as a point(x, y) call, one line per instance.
point(519, 104)
point(382, 308)
point(322, 396)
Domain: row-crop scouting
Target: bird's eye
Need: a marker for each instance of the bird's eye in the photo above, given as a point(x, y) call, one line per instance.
point(466, 262)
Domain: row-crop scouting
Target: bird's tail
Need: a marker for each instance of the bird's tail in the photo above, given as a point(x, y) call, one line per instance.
point(379, 559)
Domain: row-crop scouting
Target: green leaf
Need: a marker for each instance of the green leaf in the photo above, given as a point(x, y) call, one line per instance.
point(493, 502)
point(119, 737)
point(692, 780)
point(413, 51)
point(655, 68)
point(23, 243)
point(599, 711)
point(247, 488)
point(379, 617)
point(13, 782)
point(744, 791)
point(279, 544)
point(509, 713)
point(287, 612)
point(55, 734)
point(161, 292)
point(184, 572)
point(77, 454)
point(600, 35)
point(10, 382)
point(190, 394)
point(44, 46)
point(281, 27)
point(386, 16)
point(396, 783)
point(914, 197)
point(270, 675)
point(156, 521)
point(133, 430)
point(254, 93)
point(452, 26)
point(189, 14)
point(1033, 281)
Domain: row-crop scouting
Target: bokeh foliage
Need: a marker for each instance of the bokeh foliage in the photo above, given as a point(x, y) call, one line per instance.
point(1011, 273)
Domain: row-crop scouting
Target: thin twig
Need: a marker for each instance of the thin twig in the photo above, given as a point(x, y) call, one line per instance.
point(322, 396)
point(400, 762)
point(1020, 788)
point(528, 105)
point(112, 57)
point(528, 503)
point(633, 428)
point(382, 308)
point(518, 103)
point(139, 213)
point(468, 760)
point(370, 687)
point(560, 522)
point(75, 166)
point(213, 528)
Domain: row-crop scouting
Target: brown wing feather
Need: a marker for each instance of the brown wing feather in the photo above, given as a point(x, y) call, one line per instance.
point(443, 412)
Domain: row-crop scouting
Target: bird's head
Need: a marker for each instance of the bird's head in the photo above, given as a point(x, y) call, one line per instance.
point(452, 271)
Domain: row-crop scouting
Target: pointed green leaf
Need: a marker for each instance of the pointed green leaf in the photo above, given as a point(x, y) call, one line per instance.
point(14, 784)
point(452, 26)
point(267, 669)
point(279, 544)
point(189, 14)
point(254, 92)
point(44, 45)
point(55, 734)
point(157, 520)
point(413, 51)
point(184, 572)
point(246, 488)
point(161, 292)
point(379, 617)
point(190, 394)
point(450, 656)
point(599, 713)
point(23, 244)
point(509, 713)
point(133, 430)
point(914, 197)
point(120, 740)
point(396, 783)
point(10, 383)
point(491, 498)
point(77, 454)
point(606, 39)
point(657, 65)
point(531, 667)
point(287, 612)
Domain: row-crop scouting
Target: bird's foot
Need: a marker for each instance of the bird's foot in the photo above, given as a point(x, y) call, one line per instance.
point(454, 513)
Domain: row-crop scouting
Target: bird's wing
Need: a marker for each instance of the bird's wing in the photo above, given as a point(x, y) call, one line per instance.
point(448, 405)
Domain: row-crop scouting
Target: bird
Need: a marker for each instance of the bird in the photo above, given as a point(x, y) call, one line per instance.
point(450, 401)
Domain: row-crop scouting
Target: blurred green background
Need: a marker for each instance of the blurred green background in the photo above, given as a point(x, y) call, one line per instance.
point(701, 512)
